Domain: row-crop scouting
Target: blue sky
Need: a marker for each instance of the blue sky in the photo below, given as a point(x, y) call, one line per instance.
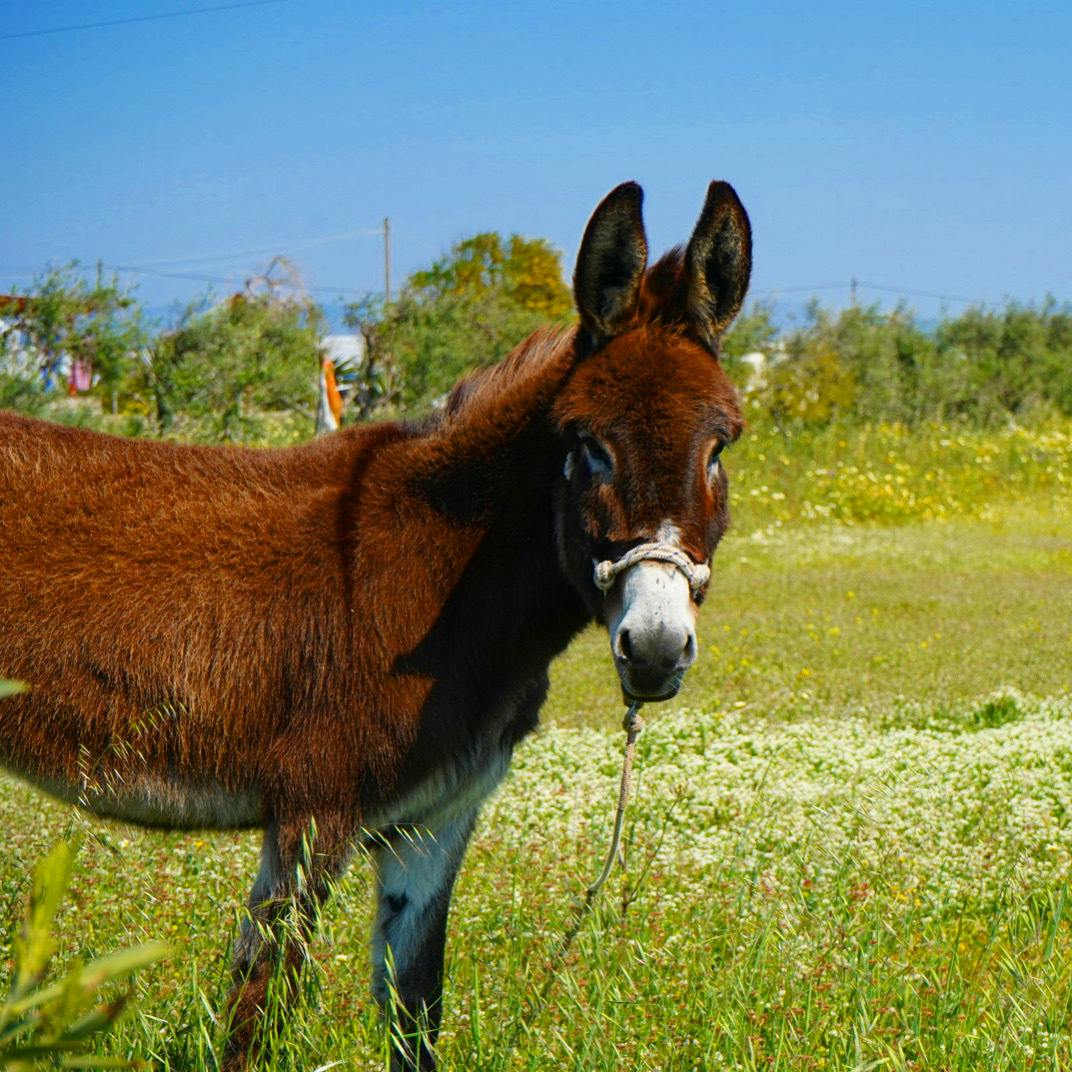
point(921, 146)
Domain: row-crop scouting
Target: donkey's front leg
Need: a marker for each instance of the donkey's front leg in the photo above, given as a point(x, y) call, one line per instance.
point(415, 870)
point(300, 859)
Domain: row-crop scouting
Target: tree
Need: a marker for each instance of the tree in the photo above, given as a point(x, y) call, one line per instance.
point(526, 272)
point(1012, 361)
point(61, 319)
point(224, 366)
point(754, 331)
point(467, 310)
point(374, 378)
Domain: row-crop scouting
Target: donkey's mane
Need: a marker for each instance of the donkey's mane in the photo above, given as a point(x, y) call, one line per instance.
point(482, 390)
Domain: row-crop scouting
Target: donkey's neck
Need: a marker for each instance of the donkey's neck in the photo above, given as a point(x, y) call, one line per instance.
point(515, 577)
point(507, 610)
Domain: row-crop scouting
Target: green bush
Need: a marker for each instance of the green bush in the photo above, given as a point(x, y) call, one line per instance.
point(983, 367)
point(246, 369)
point(1013, 362)
point(225, 367)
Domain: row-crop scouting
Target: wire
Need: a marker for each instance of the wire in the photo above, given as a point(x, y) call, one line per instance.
point(155, 267)
point(276, 248)
point(137, 18)
point(150, 268)
point(197, 277)
point(774, 291)
point(910, 292)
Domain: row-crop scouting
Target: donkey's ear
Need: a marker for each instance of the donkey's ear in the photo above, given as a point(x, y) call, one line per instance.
point(718, 262)
point(610, 264)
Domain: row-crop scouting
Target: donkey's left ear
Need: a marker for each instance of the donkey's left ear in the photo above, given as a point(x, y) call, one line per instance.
point(718, 262)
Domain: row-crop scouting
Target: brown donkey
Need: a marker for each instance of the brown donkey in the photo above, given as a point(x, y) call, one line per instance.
point(342, 642)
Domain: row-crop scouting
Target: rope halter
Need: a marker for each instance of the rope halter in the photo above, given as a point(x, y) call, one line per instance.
point(696, 573)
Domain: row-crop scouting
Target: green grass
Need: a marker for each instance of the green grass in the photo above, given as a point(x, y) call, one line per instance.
point(821, 892)
point(852, 837)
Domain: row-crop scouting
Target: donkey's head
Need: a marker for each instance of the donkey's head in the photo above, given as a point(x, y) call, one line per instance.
point(645, 417)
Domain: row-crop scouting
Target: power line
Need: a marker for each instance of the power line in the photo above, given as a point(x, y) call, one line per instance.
point(810, 288)
point(137, 18)
point(913, 293)
point(197, 277)
point(303, 243)
point(160, 268)
point(853, 284)
point(194, 277)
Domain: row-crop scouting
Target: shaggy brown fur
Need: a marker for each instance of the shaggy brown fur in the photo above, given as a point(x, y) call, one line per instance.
point(350, 636)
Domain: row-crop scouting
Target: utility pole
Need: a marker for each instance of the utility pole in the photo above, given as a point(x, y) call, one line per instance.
point(852, 291)
point(114, 390)
point(387, 258)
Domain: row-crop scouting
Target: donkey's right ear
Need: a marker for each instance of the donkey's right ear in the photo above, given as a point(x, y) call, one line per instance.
point(611, 263)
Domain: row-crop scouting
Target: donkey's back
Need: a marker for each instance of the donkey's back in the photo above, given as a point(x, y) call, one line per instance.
point(165, 604)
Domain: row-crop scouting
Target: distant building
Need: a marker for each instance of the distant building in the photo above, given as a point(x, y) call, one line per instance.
point(343, 348)
point(756, 363)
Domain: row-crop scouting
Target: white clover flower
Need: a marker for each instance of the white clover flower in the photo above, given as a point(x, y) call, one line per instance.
point(962, 808)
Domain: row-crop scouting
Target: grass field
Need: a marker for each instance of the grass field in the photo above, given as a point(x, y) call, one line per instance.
point(852, 834)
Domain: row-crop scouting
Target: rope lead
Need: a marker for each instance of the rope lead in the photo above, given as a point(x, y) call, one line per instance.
point(632, 724)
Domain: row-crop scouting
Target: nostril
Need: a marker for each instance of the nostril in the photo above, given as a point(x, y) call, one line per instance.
point(688, 653)
point(625, 647)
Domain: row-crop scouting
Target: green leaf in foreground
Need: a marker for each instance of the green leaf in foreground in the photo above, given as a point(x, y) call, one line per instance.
point(10, 688)
point(54, 1023)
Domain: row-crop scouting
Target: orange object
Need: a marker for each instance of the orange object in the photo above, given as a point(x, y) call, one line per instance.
point(334, 398)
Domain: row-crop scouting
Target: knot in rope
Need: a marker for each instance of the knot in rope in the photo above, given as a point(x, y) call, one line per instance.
point(696, 573)
point(633, 723)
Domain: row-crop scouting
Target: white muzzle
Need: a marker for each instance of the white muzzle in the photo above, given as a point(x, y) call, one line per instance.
point(651, 617)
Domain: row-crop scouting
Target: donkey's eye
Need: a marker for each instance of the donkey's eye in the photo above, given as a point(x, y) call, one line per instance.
point(713, 457)
point(596, 457)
